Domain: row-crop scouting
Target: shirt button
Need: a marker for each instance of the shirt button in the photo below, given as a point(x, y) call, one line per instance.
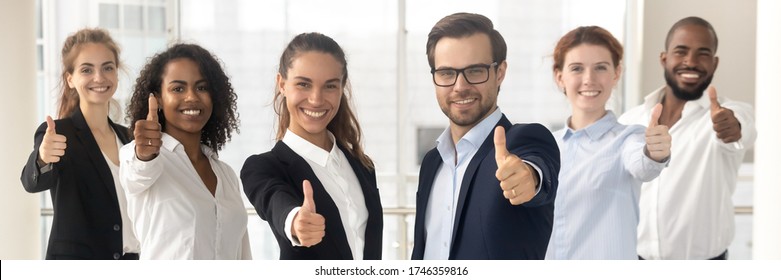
point(116, 228)
point(116, 256)
point(444, 244)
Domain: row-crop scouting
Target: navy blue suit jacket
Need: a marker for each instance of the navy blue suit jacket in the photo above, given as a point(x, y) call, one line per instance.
point(272, 182)
point(486, 225)
point(87, 223)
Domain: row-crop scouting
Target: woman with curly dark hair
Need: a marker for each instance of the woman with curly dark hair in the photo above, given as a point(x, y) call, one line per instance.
point(184, 202)
point(316, 187)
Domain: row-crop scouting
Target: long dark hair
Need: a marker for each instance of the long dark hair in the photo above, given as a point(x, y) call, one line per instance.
point(344, 125)
point(224, 119)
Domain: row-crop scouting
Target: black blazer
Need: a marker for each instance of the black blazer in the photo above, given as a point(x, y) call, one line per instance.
point(487, 226)
point(272, 182)
point(87, 223)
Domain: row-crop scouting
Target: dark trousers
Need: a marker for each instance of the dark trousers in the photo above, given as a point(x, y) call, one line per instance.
point(129, 256)
point(723, 256)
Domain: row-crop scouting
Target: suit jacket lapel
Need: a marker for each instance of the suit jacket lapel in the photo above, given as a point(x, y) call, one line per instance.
point(324, 204)
point(429, 167)
point(92, 149)
point(469, 175)
point(121, 132)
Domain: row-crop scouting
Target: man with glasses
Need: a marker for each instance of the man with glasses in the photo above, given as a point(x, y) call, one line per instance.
point(481, 195)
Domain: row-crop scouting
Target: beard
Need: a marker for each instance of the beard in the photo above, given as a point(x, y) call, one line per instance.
point(469, 118)
point(683, 94)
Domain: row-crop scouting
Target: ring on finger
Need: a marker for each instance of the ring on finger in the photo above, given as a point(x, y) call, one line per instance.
point(149, 142)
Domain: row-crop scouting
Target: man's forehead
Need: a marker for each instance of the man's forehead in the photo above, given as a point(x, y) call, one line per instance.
point(690, 35)
point(467, 50)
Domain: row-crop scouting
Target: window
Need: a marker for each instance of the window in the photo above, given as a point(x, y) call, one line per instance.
point(393, 94)
point(392, 88)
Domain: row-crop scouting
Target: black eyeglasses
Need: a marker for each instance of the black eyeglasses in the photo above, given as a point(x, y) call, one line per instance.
point(474, 74)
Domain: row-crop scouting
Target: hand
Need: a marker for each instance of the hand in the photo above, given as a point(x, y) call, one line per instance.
point(657, 137)
point(308, 226)
point(53, 144)
point(147, 133)
point(726, 126)
point(516, 178)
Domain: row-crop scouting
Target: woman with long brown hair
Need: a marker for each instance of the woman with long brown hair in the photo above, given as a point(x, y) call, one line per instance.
point(77, 156)
point(316, 187)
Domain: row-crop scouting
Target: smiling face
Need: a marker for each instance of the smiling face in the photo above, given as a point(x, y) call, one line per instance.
point(690, 61)
point(313, 91)
point(185, 99)
point(463, 103)
point(94, 74)
point(588, 77)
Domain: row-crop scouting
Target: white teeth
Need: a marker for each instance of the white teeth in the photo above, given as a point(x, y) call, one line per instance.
point(191, 112)
point(589, 93)
point(690, 76)
point(465, 101)
point(313, 113)
point(100, 89)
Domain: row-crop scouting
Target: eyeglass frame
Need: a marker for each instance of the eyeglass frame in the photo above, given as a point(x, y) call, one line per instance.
point(461, 72)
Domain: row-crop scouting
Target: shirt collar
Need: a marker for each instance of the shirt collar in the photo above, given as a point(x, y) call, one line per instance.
point(310, 151)
point(474, 136)
point(170, 143)
point(596, 130)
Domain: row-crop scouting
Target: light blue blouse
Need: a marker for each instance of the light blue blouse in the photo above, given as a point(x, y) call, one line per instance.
point(602, 168)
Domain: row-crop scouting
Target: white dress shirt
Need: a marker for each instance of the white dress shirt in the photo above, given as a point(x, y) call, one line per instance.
point(174, 214)
point(339, 181)
point(130, 243)
point(687, 212)
point(443, 201)
point(602, 167)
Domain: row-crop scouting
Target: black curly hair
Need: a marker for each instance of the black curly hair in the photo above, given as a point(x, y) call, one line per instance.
point(224, 119)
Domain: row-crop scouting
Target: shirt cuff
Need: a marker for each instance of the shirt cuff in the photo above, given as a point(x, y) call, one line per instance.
point(46, 168)
point(539, 173)
point(288, 222)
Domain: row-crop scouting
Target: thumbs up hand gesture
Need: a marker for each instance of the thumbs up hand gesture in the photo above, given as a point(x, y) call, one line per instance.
point(657, 137)
point(148, 133)
point(53, 144)
point(725, 124)
point(308, 226)
point(516, 178)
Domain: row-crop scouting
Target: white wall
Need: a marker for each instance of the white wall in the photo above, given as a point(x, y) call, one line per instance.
point(767, 186)
point(731, 19)
point(19, 211)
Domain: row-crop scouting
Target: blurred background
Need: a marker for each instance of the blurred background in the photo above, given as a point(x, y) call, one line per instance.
point(393, 95)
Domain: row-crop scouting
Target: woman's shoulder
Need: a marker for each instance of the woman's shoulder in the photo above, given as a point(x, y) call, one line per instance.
point(61, 126)
point(627, 130)
point(267, 159)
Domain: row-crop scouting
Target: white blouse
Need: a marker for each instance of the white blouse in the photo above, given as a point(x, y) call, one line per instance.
point(130, 243)
point(173, 213)
point(339, 181)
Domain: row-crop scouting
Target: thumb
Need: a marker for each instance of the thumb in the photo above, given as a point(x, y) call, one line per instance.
point(152, 115)
point(500, 144)
point(50, 125)
point(309, 200)
point(714, 99)
point(655, 114)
